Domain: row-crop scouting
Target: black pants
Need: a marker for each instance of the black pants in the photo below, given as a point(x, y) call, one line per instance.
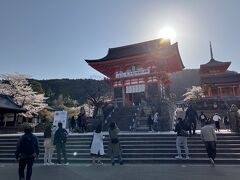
point(61, 149)
point(211, 149)
point(192, 126)
point(22, 164)
point(84, 127)
point(217, 124)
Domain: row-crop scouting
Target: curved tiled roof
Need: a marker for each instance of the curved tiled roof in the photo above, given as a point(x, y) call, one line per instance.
point(8, 105)
point(133, 50)
point(220, 79)
point(213, 63)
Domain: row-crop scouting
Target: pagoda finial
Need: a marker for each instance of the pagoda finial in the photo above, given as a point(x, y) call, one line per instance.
point(211, 50)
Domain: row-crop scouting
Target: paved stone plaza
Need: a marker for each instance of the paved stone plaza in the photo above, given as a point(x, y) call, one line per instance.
point(125, 172)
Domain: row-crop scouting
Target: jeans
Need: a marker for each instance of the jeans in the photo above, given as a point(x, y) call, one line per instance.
point(182, 140)
point(211, 149)
point(22, 164)
point(61, 148)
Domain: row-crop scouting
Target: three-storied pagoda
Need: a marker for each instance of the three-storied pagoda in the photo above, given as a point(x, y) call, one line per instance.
point(216, 81)
point(139, 71)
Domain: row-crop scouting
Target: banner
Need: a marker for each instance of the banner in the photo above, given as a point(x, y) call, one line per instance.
point(60, 116)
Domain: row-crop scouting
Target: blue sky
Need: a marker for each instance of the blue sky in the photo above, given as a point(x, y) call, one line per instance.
point(51, 38)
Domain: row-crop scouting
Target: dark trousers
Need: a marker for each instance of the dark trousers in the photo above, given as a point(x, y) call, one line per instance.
point(61, 149)
point(211, 149)
point(192, 126)
point(84, 127)
point(217, 125)
point(22, 164)
point(150, 127)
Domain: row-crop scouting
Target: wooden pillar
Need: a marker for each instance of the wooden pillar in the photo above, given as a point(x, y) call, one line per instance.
point(123, 95)
point(233, 88)
point(220, 91)
point(209, 91)
point(146, 88)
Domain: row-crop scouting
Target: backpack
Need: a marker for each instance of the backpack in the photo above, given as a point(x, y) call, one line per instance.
point(27, 145)
point(63, 136)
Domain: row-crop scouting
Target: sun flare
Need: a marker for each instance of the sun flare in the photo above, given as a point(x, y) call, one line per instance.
point(167, 33)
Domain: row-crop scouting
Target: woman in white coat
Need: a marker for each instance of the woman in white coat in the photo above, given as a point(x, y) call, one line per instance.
point(97, 149)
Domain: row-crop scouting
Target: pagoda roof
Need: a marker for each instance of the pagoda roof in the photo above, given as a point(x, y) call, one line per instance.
point(133, 50)
point(7, 105)
point(213, 66)
point(228, 77)
point(214, 63)
point(162, 47)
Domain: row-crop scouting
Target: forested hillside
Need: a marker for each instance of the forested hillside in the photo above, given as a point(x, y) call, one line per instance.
point(75, 91)
point(72, 91)
point(182, 80)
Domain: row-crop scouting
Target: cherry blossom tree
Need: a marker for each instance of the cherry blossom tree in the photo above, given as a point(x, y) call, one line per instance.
point(193, 94)
point(19, 89)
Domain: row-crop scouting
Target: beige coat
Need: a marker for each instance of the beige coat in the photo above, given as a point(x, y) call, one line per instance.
point(208, 133)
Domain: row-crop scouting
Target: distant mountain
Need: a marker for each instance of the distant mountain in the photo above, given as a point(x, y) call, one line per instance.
point(78, 89)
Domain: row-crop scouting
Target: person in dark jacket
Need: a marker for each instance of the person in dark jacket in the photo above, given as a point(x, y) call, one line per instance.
point(114, 148)
point(202, 118)
point(60, 139)
point(182, 134)
point(73, 123)
point(191, 118)
point(150, 122)
point(27, 150)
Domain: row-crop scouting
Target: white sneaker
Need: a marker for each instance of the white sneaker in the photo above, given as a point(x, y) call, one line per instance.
point(51, 163)
point(212, 162)
point(45, 164)
point(187, 157)
point(66, 164)
point(178, 157)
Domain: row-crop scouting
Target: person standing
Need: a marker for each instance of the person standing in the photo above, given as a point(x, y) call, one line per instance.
point(114, 148)
point(191, 118)
point(155, 122)
point(182, 135)
point(27, 150)
point(150, 122)
point(48, 145)
point(97, 148)
point(209, 138)
point(60, 139)
point(226, 122)
point(73, 123)
point(202, 118)
point(84, 122)
point(217, 119)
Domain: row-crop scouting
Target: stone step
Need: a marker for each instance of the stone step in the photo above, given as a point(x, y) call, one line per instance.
point(144, 160)
point(138, 148)
point(139, 155)
point(153, 150)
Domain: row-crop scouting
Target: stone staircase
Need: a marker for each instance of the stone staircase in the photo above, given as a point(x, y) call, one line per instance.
point(137, 148)
point(123, 117)
point(142, 116)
